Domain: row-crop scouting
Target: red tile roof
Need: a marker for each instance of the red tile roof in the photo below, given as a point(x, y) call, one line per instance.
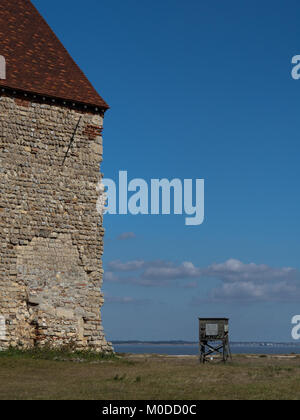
point(36, 61)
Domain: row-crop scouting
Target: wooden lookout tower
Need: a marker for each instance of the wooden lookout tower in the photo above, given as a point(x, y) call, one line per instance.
point(214, 338)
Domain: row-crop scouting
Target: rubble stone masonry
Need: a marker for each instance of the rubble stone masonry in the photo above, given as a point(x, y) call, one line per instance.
point(51, 236)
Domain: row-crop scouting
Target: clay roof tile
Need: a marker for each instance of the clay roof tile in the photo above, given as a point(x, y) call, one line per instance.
point(36, 61)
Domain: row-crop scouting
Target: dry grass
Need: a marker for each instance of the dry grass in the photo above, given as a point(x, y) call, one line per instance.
point(147, 377)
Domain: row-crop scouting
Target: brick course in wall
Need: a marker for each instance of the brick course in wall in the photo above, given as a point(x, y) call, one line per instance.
point(51, 236)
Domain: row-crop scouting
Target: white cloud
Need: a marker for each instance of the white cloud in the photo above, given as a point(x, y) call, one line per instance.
point(125, 300)
point(234, 270)
point(152, 273)
point(110, 277)
point(253, 282)
point(238, 281)
point(126, 235)
point(282, 291)
point(171, 271)
point(127, 266)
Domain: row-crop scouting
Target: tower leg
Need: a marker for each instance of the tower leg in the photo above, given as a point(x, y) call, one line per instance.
point(202, 353)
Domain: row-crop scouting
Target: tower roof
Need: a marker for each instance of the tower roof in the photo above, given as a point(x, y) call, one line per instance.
point(36, 61)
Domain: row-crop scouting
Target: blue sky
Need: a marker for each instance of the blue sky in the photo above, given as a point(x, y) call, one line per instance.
point(197, 89)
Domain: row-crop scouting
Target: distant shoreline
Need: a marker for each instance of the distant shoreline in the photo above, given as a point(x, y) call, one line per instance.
point(194, 343)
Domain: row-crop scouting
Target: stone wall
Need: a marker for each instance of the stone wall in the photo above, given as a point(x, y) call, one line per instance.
point(51, 236)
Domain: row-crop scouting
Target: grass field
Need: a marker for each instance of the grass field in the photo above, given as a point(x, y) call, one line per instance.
point(88, 377)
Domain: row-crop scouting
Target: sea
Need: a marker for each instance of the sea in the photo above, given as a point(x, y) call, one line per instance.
point(193, 349)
